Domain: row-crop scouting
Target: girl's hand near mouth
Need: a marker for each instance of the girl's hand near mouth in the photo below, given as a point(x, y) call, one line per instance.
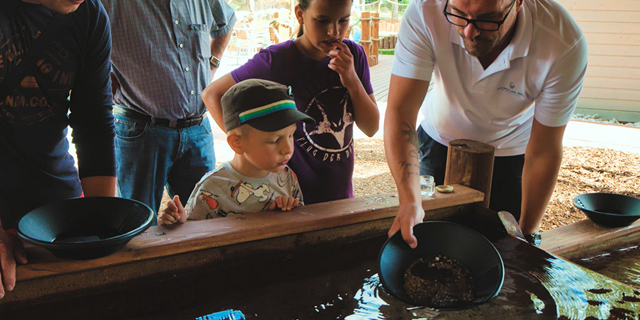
point(342, 63)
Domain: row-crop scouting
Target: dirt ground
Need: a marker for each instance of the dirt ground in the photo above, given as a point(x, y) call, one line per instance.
point(584, 170)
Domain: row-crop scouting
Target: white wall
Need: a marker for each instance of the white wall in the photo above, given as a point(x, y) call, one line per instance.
point(612, 84)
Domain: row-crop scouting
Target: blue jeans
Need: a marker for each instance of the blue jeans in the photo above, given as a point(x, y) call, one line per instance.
point(506, 184)
point(152, 157)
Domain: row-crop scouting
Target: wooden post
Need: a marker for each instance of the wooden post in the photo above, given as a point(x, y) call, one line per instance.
point(470, 163)
point(365, 39)
point(375, 40)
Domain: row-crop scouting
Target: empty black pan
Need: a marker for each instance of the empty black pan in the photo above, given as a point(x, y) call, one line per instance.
point(85, 228)
point(609, 209)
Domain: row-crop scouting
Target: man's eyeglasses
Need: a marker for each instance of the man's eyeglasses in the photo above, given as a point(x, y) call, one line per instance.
point(486, 25)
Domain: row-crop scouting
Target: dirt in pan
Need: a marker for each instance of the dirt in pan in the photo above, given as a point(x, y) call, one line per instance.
point(584, 170)
point(438, 281)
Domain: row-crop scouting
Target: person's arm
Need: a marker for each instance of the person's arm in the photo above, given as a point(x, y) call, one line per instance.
point(212, 96)
point(225, 18)
point(365, 110)
point(100, 186)
point(402, 151)
point(218, 45)
point(542, 160)
point(91, 115)
point(543, 156)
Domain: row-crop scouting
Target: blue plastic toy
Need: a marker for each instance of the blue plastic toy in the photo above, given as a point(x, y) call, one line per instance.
point(224, 315)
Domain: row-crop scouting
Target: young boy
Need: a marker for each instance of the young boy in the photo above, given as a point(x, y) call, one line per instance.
point(260, 118)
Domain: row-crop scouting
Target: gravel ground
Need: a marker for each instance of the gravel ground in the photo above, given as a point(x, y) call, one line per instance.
point(596, 118)
point(584, 170)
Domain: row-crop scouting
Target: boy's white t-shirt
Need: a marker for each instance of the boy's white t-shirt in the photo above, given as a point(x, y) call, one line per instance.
point(539, 74)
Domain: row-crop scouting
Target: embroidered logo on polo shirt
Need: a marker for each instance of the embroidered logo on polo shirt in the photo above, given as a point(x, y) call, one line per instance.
point(511, 90)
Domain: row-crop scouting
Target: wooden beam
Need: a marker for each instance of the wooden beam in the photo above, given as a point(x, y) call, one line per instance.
point(365, 33)
point(585, 237)
point(375, 37)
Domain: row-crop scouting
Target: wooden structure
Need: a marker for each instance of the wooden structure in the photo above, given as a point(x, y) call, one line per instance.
point(390, 26)
point(247, 40)
point(470, 163)
point(370, 41)
point(280, 29)
point(388, 42)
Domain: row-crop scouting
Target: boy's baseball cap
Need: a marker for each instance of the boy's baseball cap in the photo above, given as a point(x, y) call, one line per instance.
point(262, 104)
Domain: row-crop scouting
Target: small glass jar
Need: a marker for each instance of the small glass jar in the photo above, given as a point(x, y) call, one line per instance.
point(427, 185)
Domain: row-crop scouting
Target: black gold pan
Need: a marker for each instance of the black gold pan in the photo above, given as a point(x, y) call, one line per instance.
point(455, 241)
point(609, 209)
point(85, 228)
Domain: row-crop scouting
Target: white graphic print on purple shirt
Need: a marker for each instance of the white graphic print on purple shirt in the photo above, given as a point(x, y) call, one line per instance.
point(331, 138)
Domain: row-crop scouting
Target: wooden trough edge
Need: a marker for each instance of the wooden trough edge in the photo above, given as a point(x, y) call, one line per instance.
point(163, 250)
point(585, 237)
point(169, 250)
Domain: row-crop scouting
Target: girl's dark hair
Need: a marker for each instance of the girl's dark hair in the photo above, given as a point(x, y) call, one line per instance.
point(304, 5)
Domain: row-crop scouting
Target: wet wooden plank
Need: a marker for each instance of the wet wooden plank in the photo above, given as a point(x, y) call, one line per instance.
point(586, 237)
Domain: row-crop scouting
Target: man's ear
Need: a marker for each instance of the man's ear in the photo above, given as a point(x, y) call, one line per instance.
point(235, 142)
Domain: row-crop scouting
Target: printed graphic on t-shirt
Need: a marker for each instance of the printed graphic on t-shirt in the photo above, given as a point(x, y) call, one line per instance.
point(28, 104)
point(244, 190)
point(242, 193)
point(331, 138)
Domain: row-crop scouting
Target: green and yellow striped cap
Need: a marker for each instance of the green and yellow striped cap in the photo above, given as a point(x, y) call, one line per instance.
point(262, 104)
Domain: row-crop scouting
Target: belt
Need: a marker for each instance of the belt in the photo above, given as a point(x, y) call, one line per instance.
point(178, 124)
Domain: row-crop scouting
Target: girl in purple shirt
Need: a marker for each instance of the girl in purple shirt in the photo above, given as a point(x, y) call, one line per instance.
point(329, 79)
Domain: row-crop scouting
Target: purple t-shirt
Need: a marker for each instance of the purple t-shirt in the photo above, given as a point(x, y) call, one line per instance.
point(323, 157)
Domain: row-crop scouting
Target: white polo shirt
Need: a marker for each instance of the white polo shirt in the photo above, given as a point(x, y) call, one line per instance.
point(539, 74)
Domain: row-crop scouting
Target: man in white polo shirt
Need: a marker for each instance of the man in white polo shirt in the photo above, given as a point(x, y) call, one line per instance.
point(504, 72)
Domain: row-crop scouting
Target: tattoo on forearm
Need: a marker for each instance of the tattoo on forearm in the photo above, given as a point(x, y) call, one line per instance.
point(412, 138)
point(407, 165)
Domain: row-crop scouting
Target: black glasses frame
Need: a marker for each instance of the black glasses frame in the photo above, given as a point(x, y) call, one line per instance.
point(474, 21)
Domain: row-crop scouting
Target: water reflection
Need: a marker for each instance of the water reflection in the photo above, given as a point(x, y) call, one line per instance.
point(620, 263)
point(369, 301)
point(580, 293)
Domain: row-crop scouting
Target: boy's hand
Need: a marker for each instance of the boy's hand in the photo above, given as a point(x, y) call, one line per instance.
point(172, 213)
point(284, 203)
point(342, 63)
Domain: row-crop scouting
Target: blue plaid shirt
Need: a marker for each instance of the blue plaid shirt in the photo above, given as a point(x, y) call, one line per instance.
point(161, 51)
